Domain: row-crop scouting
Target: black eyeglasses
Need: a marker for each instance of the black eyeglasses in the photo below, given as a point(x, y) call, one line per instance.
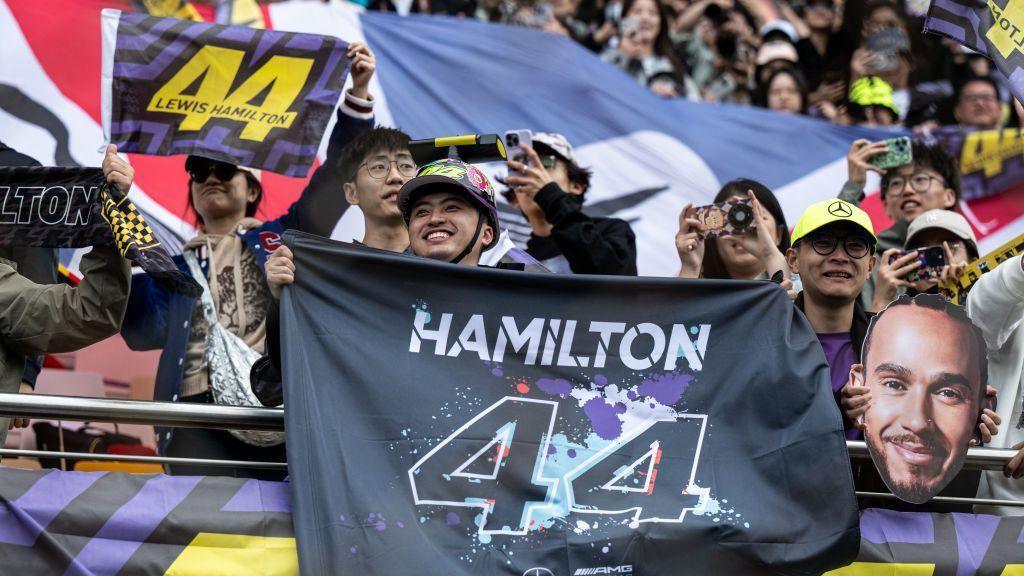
point(199, 170)
point(825, 243)
point(920, 183)
point(378, 168)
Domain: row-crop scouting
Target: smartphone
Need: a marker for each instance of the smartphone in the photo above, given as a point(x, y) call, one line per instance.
point(899, 154)
point(726, 218)
point(613, 12)
point(515, 140)
point(887, 44)
point(629, 28)
point(932, 259)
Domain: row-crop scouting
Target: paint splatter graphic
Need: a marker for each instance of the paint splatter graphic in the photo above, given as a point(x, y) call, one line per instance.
point(595, 413)
point(604, 418)
point(665, 388)
point(555, 387)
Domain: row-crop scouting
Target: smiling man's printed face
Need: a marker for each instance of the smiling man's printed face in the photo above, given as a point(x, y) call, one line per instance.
point(925, 382)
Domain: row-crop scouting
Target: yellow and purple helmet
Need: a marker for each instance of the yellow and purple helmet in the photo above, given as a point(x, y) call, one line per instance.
point(456, 176)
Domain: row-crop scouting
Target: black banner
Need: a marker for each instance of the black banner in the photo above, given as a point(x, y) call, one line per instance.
point(75, 208)
point(453, 420)
point(53, 207)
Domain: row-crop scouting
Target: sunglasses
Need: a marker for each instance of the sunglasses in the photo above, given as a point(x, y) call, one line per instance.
point(199, 170)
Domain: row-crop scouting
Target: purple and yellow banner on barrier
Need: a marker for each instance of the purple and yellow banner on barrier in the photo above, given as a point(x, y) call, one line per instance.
point(259, 98)
point(991, 161)
point(929, 544)
point(94, 523)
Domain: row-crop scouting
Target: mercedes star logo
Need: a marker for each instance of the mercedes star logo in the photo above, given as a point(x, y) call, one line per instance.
point(840, 209)
point(538, 572)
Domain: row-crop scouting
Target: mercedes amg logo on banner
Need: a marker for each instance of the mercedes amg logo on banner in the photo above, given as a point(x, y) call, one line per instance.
point(538, 572)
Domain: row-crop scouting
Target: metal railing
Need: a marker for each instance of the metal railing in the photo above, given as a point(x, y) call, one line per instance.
point(188, 415)
point(171, 414)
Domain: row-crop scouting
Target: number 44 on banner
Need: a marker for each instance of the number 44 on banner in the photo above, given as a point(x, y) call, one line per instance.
point(508, 485)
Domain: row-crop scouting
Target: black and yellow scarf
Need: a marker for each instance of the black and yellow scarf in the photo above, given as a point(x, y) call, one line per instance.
point(75, 208)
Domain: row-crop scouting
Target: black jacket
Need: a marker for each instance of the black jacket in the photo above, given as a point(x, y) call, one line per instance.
point(265, 377)
point(590, 245)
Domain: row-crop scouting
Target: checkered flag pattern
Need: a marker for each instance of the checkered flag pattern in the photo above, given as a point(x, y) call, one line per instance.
point(67, 207)
point(127, 224)
point(136, 241)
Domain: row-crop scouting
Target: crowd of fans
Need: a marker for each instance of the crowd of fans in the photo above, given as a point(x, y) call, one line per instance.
point(852, 63)
point(863, 63)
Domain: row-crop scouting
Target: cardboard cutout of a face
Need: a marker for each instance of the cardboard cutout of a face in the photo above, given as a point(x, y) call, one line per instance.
point(923, 368)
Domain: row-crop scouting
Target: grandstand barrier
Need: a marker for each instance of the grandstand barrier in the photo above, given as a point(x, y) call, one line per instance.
point(189, 415)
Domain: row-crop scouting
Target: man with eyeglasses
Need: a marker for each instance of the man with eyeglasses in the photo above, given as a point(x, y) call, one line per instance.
point(978, 105)
point(833, 251)
point(373, 168)
point(930, 182)
point(451, 216)
point(550, 193)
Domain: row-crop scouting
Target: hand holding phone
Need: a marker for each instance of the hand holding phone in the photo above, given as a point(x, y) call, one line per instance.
point(630, 27)
point(726, 218)
point(932, 259)
point(899, 154)
point(515, 141)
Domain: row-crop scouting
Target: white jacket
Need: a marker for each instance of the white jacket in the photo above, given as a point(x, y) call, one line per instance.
point(996, 305)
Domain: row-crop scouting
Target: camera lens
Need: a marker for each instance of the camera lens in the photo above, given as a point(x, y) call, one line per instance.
point(513, 140)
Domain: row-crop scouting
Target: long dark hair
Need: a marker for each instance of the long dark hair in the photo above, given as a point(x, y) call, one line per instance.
point(663, 41)
point(761, 96)
point(714, 266)
point(251, 208)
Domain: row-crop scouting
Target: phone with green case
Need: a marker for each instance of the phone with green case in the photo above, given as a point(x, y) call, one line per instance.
point(899, 154)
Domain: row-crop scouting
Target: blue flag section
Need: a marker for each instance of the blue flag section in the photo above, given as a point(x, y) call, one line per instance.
point(505, 424)
point(550, 83)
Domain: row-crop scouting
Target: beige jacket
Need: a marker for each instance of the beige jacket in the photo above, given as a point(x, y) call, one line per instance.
point(42, 318)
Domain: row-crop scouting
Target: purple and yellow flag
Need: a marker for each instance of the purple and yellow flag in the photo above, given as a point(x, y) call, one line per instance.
point(96, 523)
point(259, 98)
point(994, 28)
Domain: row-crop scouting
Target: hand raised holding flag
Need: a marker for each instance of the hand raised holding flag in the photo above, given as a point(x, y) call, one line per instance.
point(117, 170)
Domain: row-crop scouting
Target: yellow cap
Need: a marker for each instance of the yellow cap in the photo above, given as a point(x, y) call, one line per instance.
point(827, 212)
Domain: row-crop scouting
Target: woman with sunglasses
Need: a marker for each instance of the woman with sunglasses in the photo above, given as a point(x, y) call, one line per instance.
point(230, 250)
